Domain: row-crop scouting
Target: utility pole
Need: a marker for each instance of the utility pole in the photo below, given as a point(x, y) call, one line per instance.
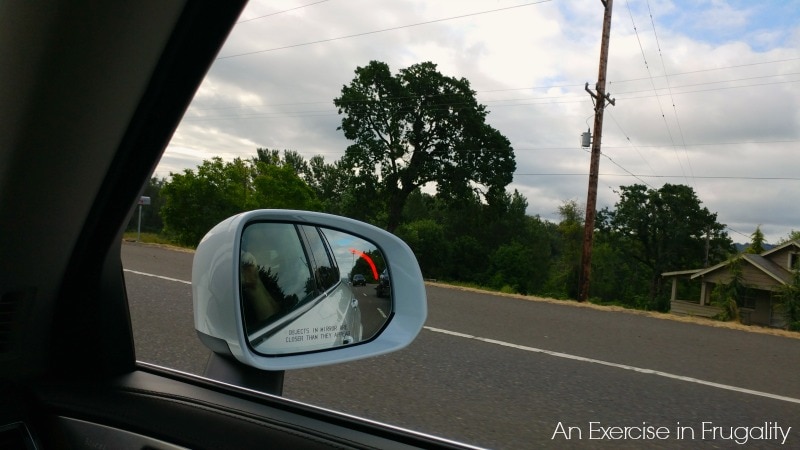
point(591, 198)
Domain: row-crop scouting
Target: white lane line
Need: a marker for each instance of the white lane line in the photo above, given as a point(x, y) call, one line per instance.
point(382, 313)
point(563, 355)
point(157, 276)
point(619, 366)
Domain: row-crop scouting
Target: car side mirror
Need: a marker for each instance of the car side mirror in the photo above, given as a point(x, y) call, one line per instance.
point(274, 289)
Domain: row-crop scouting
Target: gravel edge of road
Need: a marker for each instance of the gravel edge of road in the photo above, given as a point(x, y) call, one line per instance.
point(656, 315)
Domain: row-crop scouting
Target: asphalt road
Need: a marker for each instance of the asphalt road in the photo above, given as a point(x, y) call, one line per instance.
point(374, 309)
point(507, 373)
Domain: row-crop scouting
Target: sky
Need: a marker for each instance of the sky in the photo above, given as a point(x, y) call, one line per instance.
point(707, 92)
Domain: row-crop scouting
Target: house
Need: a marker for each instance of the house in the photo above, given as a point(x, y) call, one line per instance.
point(763, 275)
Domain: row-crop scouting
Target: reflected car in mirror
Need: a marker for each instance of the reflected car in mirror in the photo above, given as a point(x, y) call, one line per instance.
point(359, 280)
point(384, 287)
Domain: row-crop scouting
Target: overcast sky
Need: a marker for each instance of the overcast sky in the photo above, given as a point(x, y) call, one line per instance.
point(707, 92)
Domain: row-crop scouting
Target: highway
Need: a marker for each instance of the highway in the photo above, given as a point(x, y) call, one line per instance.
point(507, 373)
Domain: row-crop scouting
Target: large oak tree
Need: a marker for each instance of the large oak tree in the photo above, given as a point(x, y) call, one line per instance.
point(418, 127)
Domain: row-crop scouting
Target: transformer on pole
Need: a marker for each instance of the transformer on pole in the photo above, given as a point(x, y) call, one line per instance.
point(586, 139)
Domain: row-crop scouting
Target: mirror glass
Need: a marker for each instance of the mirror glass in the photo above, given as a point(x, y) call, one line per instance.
point(306, 288)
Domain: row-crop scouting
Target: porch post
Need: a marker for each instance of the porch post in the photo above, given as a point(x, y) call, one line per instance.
point(674, 295)
point(703, 293)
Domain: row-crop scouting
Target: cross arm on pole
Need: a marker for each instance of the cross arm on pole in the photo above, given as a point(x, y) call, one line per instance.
point(607, 96)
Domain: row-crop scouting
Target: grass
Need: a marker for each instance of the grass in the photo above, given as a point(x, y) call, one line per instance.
point(149, 238)
point(629, 310)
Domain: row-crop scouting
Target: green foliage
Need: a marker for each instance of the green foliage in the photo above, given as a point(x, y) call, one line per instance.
point(427, 238)
point(506, 289)
point(492, 244)
point(474, 236)
point(149, 238)
point(729, 295)
point(510, 265)
point(467, 259)
point(196, 201)
point(618, 279)
point(793, 235)
point(566, 267)
point(419, 127)
point(756, 246)
point(788, 297)
point(663, 229)
point(279, 187)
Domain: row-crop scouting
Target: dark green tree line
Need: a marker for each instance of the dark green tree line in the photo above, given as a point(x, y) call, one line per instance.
point(467, 238)
point(195, 201)
point(425, 164)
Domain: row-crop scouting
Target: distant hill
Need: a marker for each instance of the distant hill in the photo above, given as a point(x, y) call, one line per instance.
point(742, 247)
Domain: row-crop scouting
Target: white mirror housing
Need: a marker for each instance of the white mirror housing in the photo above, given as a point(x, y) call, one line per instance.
point(217, 294)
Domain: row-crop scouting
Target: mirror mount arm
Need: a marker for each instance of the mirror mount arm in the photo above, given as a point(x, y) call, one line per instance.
point(229, 370)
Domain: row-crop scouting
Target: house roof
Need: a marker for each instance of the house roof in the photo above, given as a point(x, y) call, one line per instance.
point(768, 267)
point(760, 262)
point(678, 273)
point(795, 244)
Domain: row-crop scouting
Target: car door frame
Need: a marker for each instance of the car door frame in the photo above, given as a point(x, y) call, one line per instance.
point(89, 376)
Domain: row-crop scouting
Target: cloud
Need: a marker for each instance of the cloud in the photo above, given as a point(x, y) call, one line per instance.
point(706, 92)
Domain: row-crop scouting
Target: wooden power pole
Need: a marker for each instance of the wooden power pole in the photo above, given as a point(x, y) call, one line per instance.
point(591, 199)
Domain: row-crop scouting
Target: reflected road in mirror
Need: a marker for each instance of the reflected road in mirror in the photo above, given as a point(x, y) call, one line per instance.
point(374, 309)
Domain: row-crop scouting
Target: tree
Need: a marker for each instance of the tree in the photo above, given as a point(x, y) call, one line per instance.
point(427, 239)
point(278, 181)
point(290, 159)
point(511, 269)
point(729, 295)
point(419, 127)
point(664, 229)
point(757, 245)
point(793, 235)
point(563, 279)
point(279, 187)
point(196, 201)
point(788, 297)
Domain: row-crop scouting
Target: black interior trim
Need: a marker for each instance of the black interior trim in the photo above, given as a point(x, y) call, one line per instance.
point(16, 436)
point(203, 414)
point(83, 344)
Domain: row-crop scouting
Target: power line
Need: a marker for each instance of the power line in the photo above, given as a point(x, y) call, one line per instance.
point(721, 81)
point(280, 12)
point(699, 144)
point(639, 176)
point(545, 100)
point(711, 69)
point(652, 83)
point(367, 33)
point(671, 97)
point(627, 171)
point(630, 142)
